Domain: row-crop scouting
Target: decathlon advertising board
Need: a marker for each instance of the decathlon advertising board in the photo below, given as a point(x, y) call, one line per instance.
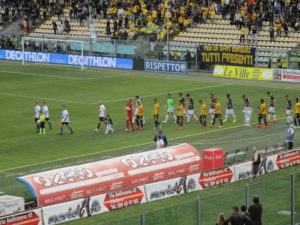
point(67, 59)
point(115, 174)
point(163, 66)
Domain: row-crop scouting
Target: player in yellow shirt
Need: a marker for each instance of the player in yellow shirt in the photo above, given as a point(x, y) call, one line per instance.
point(156, 114)
point(217, 114)
point(243, 31)
point(297, 113)
point(262, 114)
point(140, 115)
point(180, 116)
point(202, 117)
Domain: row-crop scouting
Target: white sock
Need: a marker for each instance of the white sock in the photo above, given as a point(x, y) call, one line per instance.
point(269, 116)
point(174, 117)
point(212, 116)
point(226, 116)
point(290, 118)
point(274, 117)
point(233, 115)
point(188, 118)
point(195, 118)
point(167, 116)
point(144, 119)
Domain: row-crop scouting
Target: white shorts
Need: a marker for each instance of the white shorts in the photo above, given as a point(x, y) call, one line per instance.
point(229, 111)
point(191, 112)
point(170, 111)
point(136, 111)
point(211, 111)
point(271, 110)
point(288, 112)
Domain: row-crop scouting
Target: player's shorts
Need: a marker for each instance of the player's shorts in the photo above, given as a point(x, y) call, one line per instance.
point(170, 110)
point(140, 117)
point(271, 110)
point(155, 116)
point(218, 116)
point(46, 119)
point(180, 118)
point(255, 169)
point(101, 119)
point(203, 117)
point(65, 123)
point(297, 116)
point(229, 111)
point(42, 124)
point(262, 116)
point(211, 111)
point(36, 119)
point(191, 112)
point(288, 112)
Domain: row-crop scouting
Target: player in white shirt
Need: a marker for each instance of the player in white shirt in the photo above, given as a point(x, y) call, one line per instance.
point(65, 120)
point(137, 110)
point(46, 114)
point(37, 110)
point(102, 111)
point(159, 143)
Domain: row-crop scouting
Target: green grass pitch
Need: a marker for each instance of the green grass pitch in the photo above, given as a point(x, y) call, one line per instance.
point(24, 152)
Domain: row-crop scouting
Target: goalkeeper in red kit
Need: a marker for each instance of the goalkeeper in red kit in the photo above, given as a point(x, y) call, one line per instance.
point(129, 109)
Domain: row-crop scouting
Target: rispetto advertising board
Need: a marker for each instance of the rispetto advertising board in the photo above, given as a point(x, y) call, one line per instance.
point(163, 66)
point(115, 174)
point(29, 217)
point(67, 59)
point(286, 75)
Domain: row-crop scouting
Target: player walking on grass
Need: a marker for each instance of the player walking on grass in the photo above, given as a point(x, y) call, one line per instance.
point(46, 114)
point(262, 114)
point(288, 110)
point(140, 115)
point(182, 100)
point(37, 110)
point(156, 114)
point(202, 117)
point(229, 110)
point(180, 115)
point(102, 111)
point(272, 108)
point(42, 122)
point(108, 122)
point(137, 110)
point(129, 109)
point(217, 114)
point(170, 108)
point(190, 108)
point(247, 104)
point(297, 113)
point(212, 107)
point(65, 120)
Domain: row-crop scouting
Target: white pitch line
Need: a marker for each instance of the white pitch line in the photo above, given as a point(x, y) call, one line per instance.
point(115, 149)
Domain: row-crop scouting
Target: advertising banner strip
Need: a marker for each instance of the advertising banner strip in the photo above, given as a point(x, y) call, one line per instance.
point(68, 59)
point(29, 217)
point(226, 55)
point(115, 174)
point(243, 73)
point(294, 57)
point(286, 75)
point(163, 66)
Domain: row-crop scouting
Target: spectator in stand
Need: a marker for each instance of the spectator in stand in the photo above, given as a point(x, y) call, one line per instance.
point(185, 24)
point(81, 17)
point(285, 28)
point(243, 31)
point(180, 21)
point(259, 24)
point(131, 35)
point(277, 6)
point(62, 27)
point(45, 13)
point(221, 219)
point(236, 218)
point(271, 30)
point(58, 13)
point(212, 16)
point(254, 34)
point(255, 211)
point(25, 25)
point(232, 22)
point(254, 18)
point(188, 58)
point(33, 16)
point(108, 30)
point(244, 211)
point(54, 26)
point(238, 18)
point(223, 10)
point(67, 27)
point(75, 12)
point(124, 35)
point(71, 11)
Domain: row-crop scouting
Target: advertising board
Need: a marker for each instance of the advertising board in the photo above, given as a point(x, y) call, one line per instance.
point(29, 217)
point(162, 66)
point(286, 75)
point(115, 174)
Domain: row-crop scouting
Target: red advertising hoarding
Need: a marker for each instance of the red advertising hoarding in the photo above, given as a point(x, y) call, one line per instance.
point(31, 217)
point(288, 159)
point(111, 175)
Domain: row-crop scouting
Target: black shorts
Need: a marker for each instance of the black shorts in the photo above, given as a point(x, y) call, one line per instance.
point(46, 119)
point(255, 169)
point(42, 124)
point(262, 116)
point(218, 116)
point(101, 119)
point(155, 116)
point(297, 116)
point(203, 117)
point(36, 119)
point(65, 123)
point(180, 118)
point(140, 117)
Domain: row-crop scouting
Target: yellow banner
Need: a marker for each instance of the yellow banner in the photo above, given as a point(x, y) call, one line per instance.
point(151, 28)
point(243, 73)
